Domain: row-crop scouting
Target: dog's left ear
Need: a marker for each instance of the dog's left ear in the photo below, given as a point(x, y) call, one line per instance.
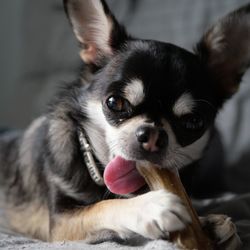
point(96, 29)
point(225, 50)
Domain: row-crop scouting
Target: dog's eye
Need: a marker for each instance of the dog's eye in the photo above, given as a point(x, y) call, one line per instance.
point(192, 122)
point(117, 104)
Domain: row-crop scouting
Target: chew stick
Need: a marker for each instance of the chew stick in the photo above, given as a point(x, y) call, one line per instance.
point(193, 236)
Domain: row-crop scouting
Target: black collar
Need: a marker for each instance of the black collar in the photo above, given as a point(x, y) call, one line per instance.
point(89, 158)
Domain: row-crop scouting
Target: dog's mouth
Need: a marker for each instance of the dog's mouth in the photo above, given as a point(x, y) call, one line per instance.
point(121, 176)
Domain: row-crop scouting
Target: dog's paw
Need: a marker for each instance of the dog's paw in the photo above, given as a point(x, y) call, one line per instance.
point(222, 230)
point(157, 213)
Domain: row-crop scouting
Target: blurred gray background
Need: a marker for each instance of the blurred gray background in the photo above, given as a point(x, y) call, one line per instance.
point(39, 52)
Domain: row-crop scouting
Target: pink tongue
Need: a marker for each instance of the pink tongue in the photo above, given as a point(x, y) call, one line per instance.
point(122, 177)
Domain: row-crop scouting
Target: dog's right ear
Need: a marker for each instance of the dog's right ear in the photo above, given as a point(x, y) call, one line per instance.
point(96, 29)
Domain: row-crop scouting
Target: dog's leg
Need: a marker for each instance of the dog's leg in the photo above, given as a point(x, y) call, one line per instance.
point(30, 219)
point(151, 215)
point(222, 230)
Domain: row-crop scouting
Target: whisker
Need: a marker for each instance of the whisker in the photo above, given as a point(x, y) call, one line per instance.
point(180, 158)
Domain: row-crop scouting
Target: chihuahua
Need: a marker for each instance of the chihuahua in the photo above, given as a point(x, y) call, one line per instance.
point(134, 101)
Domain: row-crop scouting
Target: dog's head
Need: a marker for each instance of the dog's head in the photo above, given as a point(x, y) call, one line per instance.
point(149, 100)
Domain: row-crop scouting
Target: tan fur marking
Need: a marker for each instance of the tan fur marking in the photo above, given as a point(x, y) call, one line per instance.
point(81, 224)
point(30, 219)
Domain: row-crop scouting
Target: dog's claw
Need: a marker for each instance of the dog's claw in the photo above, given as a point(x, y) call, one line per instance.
point(222, 230)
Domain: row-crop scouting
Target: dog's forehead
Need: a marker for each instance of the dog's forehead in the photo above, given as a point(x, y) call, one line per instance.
point(157, 71)
point(135, 93)
point(154, 72)
point(159, 66)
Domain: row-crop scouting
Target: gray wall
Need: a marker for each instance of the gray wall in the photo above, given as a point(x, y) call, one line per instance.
point(37, 53)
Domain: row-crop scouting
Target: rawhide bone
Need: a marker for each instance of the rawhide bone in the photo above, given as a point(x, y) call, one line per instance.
point(193, 237)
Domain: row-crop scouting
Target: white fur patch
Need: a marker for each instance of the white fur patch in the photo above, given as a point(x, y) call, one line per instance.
point(195, 150)
point(154, 213)
point(184, 105)
point(96, 129)
point(178, 156)
point(134, 92)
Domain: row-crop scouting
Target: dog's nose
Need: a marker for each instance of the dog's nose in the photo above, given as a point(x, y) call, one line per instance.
point(152, 139)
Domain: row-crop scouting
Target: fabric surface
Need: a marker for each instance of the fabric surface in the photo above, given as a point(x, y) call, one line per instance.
point(38, 52)
point(11, 242)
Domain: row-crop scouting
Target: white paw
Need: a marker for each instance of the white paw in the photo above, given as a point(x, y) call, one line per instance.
point(222, 230)
point(157, 213)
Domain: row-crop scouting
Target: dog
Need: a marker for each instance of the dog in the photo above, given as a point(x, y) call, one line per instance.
point(135, 101)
